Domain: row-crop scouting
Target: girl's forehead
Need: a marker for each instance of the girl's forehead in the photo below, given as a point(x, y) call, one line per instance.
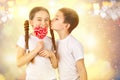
point(42, 14)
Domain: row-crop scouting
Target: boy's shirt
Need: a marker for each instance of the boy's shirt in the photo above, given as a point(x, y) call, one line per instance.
point(69, 51)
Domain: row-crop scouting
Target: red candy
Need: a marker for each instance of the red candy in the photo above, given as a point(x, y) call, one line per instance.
point(40, 32)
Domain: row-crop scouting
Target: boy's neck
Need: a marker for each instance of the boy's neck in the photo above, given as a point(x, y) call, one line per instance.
point(63, 35)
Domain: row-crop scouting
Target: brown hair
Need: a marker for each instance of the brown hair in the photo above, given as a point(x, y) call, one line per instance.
point(53, 38)
point(71, 17)
point(26, 26)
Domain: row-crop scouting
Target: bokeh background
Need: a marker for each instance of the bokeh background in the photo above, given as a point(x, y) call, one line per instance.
point(98, 31)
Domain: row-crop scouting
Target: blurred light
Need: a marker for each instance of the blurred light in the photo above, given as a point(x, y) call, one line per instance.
point(20, 2)
point(10, 16)
point(113, 1)
point(2, 8)
point(114, 16)
point(96, 70)
point(90, 59)
point(83, 8)
point(2, 77)
point(22, 11)
point(4, 19)
point(10, 9)
point(10, 3)
point(52, 3)
point(96, 12)
point(10, 59)
point(96, 8)
point(52, 10)
point(80, 11)
point(0, 26)
point(107, 67)
point(90, 41)
point(106, 3)
point(103, 14)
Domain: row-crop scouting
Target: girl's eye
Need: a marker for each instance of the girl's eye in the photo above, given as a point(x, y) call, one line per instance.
point(39, 20)
point(46, 19)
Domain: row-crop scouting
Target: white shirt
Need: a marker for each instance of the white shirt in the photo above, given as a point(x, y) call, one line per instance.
point(42, 68)
point(69, 51)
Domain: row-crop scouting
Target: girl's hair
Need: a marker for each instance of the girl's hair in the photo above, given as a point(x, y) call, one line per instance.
point(26, 26)
point(53, 38)
point(71, 17)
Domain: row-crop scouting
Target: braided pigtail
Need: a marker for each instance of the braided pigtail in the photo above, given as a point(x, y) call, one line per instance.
point(53, 40)
point(26, 28)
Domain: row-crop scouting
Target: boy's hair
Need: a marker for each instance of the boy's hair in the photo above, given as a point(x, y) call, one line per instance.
point(71, 17)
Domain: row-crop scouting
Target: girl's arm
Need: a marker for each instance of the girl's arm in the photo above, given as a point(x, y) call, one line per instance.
point(23, 57)
point(51, 56)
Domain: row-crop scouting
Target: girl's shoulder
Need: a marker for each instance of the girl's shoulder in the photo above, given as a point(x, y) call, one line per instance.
point(22, 36)
point(48, 37)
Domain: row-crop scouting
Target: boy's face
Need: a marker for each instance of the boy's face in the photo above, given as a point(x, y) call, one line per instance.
point(41, 19)
point(58, 22)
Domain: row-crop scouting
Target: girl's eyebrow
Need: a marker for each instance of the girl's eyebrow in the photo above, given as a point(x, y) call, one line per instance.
point(43, 18)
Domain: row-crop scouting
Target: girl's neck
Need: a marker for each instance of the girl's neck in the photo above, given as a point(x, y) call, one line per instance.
point(32, 34)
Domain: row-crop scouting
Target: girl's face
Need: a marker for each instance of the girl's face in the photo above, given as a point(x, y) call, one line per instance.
point(41, 19)
point(58, 22)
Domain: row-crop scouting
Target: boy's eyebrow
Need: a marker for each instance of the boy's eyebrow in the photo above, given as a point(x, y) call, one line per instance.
point(57, 15)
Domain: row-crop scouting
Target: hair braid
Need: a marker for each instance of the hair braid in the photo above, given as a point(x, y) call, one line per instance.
point(53, 39)
point(26, 28)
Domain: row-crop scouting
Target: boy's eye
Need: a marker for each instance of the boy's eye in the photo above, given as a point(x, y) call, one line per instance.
point(56, 18)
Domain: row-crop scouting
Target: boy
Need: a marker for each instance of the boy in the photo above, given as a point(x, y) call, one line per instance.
point(70, 52)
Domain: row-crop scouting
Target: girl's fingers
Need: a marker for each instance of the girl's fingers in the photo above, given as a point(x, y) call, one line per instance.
point(44, 53)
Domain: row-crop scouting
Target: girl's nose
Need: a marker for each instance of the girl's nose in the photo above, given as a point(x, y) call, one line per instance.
point(43, 24)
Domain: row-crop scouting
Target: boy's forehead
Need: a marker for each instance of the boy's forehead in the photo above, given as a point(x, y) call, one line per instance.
point(59, 14)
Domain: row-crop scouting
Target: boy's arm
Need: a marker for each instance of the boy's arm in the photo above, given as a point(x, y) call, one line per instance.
point(53, 60)
point(81, 69)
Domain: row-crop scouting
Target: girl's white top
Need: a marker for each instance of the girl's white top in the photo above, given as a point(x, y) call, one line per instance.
point(42, 68)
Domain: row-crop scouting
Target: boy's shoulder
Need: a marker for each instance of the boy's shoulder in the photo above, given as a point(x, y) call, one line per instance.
point(72, 40)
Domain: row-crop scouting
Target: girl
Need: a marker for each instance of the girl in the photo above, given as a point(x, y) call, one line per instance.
point(35, 49)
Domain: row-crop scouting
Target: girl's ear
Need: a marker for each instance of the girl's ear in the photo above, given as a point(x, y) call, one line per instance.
point(30, 22)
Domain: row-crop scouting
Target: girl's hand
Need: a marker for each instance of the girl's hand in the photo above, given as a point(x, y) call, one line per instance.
point(51, 56)
point(45, 53)
point(40, 46)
